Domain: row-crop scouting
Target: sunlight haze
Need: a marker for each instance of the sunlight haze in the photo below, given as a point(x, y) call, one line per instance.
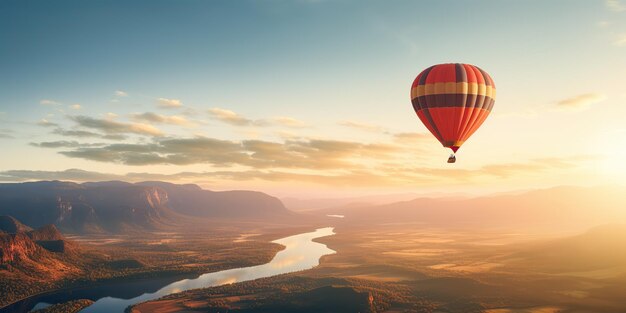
point(229, 96)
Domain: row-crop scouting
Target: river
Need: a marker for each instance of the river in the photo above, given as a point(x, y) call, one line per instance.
point(300, 253)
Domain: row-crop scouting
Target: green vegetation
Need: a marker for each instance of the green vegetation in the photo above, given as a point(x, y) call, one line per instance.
point(286, 293)
point(137, 256)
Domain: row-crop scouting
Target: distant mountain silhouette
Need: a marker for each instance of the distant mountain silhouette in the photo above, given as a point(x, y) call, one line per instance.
point(120, 206)
point(558, 208)
point(240, 204)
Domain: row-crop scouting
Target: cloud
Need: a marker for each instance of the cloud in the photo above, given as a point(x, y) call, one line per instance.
point(169, 103)
point(150, 117)
point(70, 174)
point(361, 126)
point(615, 5)
point(49, 102)
point(45, 123)
point(287, 135)
point(235, 119)
point(620, 41)
point(309, 154)
point(6, 134)
point(76, 106)
point(64, 144)
point(178, 152)
point(412, 136)
point(348, 177)
point(504, 170)
point(500, 170)
point(581, 101)
point(120, 93)
point(113, 127)
point(230, 117)
point(86, 134)
point(289, 122)
point(77, 175)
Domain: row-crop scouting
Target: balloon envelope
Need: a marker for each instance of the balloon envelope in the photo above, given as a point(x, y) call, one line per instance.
point(453, 100)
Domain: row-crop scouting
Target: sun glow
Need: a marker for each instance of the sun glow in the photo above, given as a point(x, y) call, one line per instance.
point(613, 164)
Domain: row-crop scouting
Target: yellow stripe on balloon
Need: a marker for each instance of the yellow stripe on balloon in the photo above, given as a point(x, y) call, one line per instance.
point(450, 88)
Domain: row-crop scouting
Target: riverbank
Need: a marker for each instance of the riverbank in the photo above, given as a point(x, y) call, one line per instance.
point(183, 256)
point(300, 253)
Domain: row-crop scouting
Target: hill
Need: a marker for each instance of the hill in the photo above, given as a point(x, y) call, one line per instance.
point(37, 254)
point(599, 248)
point(9, 224)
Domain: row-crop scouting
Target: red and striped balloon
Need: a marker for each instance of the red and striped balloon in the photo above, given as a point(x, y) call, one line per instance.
point(453, 100)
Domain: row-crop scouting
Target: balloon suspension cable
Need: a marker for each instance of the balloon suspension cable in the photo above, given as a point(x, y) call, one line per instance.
point(452, 158)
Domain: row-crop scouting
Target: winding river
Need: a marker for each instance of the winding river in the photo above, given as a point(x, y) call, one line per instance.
point(300, 253)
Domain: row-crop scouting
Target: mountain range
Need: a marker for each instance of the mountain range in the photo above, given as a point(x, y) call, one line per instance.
point(119, 206)
point(558, 208)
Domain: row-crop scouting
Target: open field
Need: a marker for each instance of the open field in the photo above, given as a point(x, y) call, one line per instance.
point(412, 269)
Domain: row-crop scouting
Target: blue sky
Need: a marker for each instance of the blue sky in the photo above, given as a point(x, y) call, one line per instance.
point(326, 64)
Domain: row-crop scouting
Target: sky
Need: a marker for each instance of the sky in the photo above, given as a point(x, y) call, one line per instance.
point(308, 98)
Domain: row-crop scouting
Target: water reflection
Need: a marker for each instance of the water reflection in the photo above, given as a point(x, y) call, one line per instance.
point(301, 253)
point(335, 215)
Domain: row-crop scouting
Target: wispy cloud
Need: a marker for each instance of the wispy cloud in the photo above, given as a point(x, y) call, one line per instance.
point(581, 101)
point(70, 174)
point(169, 103)
point(354, 178)
point(113, 127)
point(85, 134)
point(230, 117)
point(45, 123)
point(615, 5)
point(6, 134)
point(535, 165)
point(236, 119)
point(48, 102)
point(151, 117)
point(348, 177)
point(289, 122)
point(64, 144)
point(76, 106)
point(120, 93)
point(361, 126)
point(310, 154)
point(412, 136)
point(620, 41)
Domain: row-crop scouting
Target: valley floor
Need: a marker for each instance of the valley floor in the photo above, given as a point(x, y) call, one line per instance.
point(108, 259)
point(409, 268)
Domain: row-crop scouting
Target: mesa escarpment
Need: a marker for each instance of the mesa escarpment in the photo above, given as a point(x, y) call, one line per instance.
point(9, 224)
point(17, 247)
point(114, 207)
point(34, 260)
point(34, 252)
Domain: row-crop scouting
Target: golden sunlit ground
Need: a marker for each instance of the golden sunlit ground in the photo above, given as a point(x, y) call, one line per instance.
point(426, 269)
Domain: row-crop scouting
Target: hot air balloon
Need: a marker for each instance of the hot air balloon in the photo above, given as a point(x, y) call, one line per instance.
point(453, 100)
